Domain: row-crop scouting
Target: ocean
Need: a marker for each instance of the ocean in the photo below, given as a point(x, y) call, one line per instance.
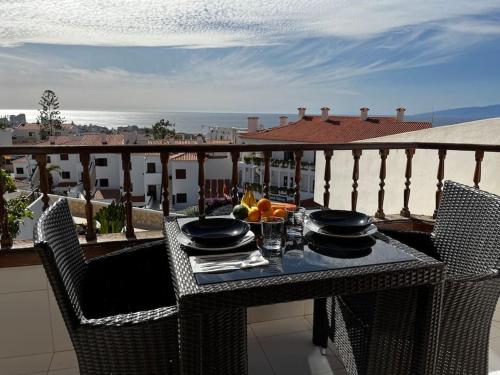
point(190, 122)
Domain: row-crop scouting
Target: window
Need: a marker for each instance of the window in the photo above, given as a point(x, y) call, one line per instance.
point(33, 157)
point(103, 182)
point(288, 155)
point(180, 174)
point(64, 157)
point(48, 159)
point(19, 170)
point(285, 181)
point(151, 168)
point(181, 198)
point(65, 175)
point(101, 162)
point(30, 134)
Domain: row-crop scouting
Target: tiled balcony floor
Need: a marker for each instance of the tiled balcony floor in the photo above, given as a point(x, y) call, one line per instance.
point(276, 347)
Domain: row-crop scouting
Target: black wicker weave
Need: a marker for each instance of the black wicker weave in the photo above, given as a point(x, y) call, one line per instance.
point(467, 238)
point(119, 309)
point(221, 307)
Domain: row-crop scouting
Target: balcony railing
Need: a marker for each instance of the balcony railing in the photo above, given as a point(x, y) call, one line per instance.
point(202, 150)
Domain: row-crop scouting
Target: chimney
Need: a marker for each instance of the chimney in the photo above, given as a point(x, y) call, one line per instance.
point(104, 139)
point(253, 124)
point(199, 139)
point(324, 113)
point(302, 112)
point(400, 114)
point(364, 113)
point(283, 120)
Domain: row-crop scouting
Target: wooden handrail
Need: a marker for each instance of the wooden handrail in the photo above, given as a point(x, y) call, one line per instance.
point(201, 150)
point(207, 148)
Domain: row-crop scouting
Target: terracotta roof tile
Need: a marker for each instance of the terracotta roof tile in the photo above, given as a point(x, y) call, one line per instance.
point(185, 156)
point(36, 126)
point(337, 129)
point(84, 140)
point(107, 194)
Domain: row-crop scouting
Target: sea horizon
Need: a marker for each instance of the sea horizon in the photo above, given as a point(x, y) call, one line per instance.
point(193, 121)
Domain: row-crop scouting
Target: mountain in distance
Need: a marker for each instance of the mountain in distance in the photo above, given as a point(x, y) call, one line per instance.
point(457, 115)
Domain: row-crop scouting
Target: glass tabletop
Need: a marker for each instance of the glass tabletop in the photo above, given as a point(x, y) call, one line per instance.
point(298, 257)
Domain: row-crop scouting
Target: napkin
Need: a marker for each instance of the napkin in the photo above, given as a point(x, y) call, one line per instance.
point(227, 262)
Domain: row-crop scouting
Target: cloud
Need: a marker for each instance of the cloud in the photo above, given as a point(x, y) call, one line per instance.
point(224, 23)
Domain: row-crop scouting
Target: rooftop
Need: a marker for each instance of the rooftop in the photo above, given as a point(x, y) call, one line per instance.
point(36, 126)
point(336, 129)
point(84, 140)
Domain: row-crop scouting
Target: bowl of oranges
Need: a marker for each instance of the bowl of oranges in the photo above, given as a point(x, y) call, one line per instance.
point(253, 212)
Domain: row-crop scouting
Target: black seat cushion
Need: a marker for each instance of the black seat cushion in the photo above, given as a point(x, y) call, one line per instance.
point(129, 282)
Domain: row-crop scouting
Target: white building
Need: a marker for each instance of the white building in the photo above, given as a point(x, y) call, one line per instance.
point(30, 133)
point(221, 133)
point(106, 172)
point(183, 175)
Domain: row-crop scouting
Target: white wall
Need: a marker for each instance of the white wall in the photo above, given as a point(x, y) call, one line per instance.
point(459, 166)
point(6, 137)
point(215, 169)
point(113, 171)
point(72, 165)
point(153, 178)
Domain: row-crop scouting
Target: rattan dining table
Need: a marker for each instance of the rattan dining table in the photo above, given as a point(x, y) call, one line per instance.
point(213, 308)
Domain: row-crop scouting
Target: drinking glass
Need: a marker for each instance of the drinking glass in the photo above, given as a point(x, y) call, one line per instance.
point(272, 233)
point(295, 221)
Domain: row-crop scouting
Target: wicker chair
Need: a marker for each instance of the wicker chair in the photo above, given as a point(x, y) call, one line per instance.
point(119, 309)
point(466, 238)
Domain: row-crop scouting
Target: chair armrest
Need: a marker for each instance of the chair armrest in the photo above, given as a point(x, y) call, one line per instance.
point(135, 318)
point(421, 241)
point(493, 274)
point(136, 251)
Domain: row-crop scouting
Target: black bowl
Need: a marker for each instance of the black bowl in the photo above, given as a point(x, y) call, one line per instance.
point(340, 247)
point(341, 221)
point(215, 231)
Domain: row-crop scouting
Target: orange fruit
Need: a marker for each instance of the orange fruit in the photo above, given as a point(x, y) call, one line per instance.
point(264, 205)
point(253, 214)
point(279, 212)
point(267, 213)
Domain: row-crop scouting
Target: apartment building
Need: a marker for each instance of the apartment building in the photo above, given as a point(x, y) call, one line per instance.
point(31, 132)
point(106, 172)
point(183, 174)
point(311, 129)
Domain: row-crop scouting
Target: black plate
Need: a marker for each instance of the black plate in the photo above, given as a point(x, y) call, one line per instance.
point(215, 231)
point(341, 221)
point(339, 247)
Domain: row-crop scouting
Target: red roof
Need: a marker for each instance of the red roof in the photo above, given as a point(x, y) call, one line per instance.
point(185, 156)
point(337, 129)
point(35, 126)
point(107, 194)
point(84, 140)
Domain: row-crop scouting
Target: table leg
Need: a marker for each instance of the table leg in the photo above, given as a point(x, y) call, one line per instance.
point(320, 323)
point(214, 343)
point(429, 318)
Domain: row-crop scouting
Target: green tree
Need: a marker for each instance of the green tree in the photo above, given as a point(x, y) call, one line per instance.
point(111, 218)
point(49, 114)
point(17, 208)
point(163, 129)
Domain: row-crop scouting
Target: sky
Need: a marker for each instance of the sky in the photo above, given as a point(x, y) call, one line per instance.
point(251, 56)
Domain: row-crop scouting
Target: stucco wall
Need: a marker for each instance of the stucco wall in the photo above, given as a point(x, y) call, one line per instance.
point(459, 166)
